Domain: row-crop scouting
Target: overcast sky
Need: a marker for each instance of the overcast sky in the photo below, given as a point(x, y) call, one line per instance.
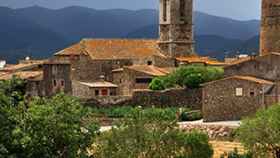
point(237, 9)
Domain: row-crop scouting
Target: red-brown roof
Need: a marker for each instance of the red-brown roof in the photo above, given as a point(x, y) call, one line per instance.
point(28, 75)
point(150, 69)
point(200, 59)
point(113, 48)
point(247, 78)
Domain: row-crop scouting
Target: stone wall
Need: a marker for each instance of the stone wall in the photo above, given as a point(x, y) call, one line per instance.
point(173, 97)
point(220, 102)
point(176, 28)
point(265, 67)
point(108, 101)
point(57, 78)
point(270, 23)
point(147, 98)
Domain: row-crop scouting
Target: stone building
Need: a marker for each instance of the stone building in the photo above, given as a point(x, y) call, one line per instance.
point(136, 77)
point(57, 78)
point(235, 97)
point(270, 27)
point(176, 27)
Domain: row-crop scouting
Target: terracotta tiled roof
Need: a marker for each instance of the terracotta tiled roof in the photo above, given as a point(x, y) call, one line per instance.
point(99, 84)
point(29, 75)
point(200, 59)
point(247, 78)
point(250, 58)
point(20, 67)
point(113, 49)
point(150, 69)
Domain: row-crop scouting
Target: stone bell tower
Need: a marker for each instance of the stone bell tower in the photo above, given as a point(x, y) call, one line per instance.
point(176, 28)
point(270, 27)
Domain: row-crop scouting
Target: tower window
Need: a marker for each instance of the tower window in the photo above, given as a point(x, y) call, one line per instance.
point(182, 10)
point(164, 10)
point(149, 63)
point(54, 83)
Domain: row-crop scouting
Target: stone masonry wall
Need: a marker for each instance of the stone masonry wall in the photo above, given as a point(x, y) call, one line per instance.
point(147, 98)
point(173, 97)
point(220, 102)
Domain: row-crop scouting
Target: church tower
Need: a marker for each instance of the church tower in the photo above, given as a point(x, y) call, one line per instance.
point(176, 28)
point(270, 27)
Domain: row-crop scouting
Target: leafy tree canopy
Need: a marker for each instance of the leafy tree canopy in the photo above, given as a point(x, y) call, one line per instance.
point(188, 76)
point(149, 135)
point(260, 134)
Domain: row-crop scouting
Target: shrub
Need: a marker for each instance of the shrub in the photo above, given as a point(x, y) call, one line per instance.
point(189, 76)
point(55, 127)
point(260, 134)
point(148, 135)
point(190, 116)
point(235, 154)
point(157, 84)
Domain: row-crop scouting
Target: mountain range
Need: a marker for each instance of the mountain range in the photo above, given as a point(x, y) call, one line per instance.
point(40, 32)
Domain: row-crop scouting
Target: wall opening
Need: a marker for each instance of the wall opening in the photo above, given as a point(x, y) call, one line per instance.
point(164, 10)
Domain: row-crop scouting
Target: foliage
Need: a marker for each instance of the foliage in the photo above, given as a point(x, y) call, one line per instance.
point(189, 76)
point(190, 116)
point(149, 135)
point(260, 134)
point(55, 127)
point(235, 154)
point(13, 90)
point(157, 84)
point(120, 112)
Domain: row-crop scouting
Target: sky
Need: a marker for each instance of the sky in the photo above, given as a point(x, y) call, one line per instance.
point(236, 9)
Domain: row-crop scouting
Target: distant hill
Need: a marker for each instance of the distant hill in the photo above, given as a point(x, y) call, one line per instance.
point(39, 32)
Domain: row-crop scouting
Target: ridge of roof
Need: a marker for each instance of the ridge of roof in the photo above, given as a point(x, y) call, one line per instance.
point(113, 48)
point(247, 78)
point(149, 69)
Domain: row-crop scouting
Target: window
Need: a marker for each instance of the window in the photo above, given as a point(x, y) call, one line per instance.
point(143, 80)
point(104, 92)
point(54, 83)
point(182, 10)
point(164, 10)
point(150, 63)
point(62, 83)
point(252, 92)
point(96, 92)
point(239, 92)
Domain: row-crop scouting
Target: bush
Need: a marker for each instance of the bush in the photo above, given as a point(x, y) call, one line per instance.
point(260, 134)
point(157, 84)
point(190, 116)
point(235, 154)
point(189, 76)
point(148, 135)
point(55, 127)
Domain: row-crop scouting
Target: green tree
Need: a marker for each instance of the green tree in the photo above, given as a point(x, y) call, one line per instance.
point(55, 127)
point(261, 133)
point(188, 76)
point(150, 135)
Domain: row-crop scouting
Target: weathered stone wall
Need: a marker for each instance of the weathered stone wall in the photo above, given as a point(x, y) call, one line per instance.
point(172, 97)
point(270, 27)
point(220, 102)
point(176, 27)
point(127, 81)
point(86, 69)
point(147, 98)
point(57, 78)
point(108, 101)
point(86, 92)
point(265, 67)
